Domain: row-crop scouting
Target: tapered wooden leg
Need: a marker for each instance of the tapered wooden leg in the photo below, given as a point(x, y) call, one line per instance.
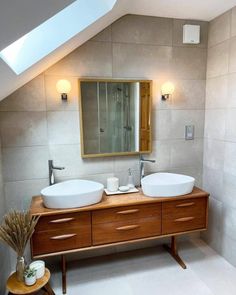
point(63, 271)
point(174, 252)
point(47, 288)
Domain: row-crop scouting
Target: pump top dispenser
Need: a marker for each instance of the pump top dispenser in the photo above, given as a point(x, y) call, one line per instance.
point(130, 182)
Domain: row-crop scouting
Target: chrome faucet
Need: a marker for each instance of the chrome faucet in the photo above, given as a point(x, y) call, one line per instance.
point(142, 161)
point(51, 168)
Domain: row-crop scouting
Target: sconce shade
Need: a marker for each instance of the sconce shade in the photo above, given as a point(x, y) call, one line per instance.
point(167, 89)
point(63, 87)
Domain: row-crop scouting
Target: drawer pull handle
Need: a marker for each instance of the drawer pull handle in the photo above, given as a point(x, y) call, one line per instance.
point(128, 227)
point(184, 219)
point(62, 220)
point(63, 237)
point(128, 211)
point(185, 204)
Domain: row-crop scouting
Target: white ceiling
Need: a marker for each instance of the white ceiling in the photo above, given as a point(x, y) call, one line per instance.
point(21, 16)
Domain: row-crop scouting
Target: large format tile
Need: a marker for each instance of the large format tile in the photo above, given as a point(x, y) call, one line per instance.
point(218, 60)
point(141, 61)
point(230, 158)
point(233, 22)
point(178, 32)
point(232, 55)
point(213, 182)
point(63, 127)
point(23, 128)
point(186, 153)
point(142, 29)
point(189, 94)
point(19, 194)
point(30, 97)
point(90, 59)
point(53, 98)
point(217, 92)
point(104, 35)
point(22, 163)
point(219, 29)
point(69, 157)
point(230, 133)
point(182, 118)
point(189, 63)
point(232, 91)
point(214, 154)
point(215, 122)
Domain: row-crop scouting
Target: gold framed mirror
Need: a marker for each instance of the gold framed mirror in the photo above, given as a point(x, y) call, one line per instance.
point(115, 117)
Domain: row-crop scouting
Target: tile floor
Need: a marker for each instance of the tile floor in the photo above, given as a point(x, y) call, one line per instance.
point(151, 271)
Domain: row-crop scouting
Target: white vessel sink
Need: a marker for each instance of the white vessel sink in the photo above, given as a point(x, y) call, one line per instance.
point(72, 194)
point(167, 185)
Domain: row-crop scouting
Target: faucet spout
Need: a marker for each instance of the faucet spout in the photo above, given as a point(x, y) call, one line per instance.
point(51, 167)
point(142, 161)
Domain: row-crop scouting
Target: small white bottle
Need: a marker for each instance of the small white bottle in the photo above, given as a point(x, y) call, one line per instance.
point(130, 183)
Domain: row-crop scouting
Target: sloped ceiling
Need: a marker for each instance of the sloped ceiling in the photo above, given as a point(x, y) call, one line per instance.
point(19, 17)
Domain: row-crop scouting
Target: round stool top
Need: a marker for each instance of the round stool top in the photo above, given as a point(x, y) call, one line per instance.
point(16, 287)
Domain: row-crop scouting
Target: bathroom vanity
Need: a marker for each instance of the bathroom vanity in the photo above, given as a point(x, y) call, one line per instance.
point(121, 219)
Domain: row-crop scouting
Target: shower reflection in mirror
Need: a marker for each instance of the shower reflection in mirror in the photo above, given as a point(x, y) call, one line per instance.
point(115, 117)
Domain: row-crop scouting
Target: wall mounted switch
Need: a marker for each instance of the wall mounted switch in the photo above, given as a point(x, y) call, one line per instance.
point(189, 132)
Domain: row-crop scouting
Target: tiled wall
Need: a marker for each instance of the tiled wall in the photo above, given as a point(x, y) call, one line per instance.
point(219, 177)
point(4, 254)
point(36, 126)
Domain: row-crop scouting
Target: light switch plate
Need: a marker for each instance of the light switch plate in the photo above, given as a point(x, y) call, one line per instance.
point(189, 132)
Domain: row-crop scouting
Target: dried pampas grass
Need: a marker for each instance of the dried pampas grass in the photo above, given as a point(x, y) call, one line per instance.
point(16, 230)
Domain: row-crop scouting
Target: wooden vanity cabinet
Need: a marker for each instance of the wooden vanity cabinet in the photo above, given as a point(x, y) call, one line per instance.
point(126, 223)
point(121, 219)
point(61, 232)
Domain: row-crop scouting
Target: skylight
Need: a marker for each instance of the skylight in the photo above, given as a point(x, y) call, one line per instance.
point(54, 32)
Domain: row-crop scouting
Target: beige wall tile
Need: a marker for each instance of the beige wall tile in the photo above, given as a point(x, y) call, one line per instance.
point(233, 22)
point(178, 32)
point(22, 163)
point(219, 29)
point(63, 127)
point(104, 35)
point(189, 94)
point(230, 158)
point(186, 153)
point(230, 133)
point(30, 97)
point(90, 59)
point(218, 60)
point(23, 128)
point(142, 30)
point(19, 194)
point(214, 153)
point(189, 63)
point(232, 91)
point(215, 121)
point(141, 61)
point(232, 55)
point(217, 92)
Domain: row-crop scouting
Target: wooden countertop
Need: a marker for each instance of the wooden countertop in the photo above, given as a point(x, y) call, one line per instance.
point(38, 208)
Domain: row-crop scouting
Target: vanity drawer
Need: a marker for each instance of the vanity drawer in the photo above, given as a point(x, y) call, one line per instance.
point(126, 213)
point(63, 221)
point(184, 215)
point(60, 240)
point(112, 232)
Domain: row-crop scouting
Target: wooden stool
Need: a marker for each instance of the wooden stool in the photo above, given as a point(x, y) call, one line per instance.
point(17, 288)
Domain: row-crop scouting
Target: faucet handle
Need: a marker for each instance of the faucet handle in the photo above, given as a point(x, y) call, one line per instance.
point(146, 160)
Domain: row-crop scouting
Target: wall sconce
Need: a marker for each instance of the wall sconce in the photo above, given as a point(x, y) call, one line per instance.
point(167, 89)
point(63, 87)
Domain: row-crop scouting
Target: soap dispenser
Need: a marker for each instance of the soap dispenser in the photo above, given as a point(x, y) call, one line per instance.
point(130, 183)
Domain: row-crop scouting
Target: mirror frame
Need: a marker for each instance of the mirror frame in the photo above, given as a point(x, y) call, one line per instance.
point(83, 155)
